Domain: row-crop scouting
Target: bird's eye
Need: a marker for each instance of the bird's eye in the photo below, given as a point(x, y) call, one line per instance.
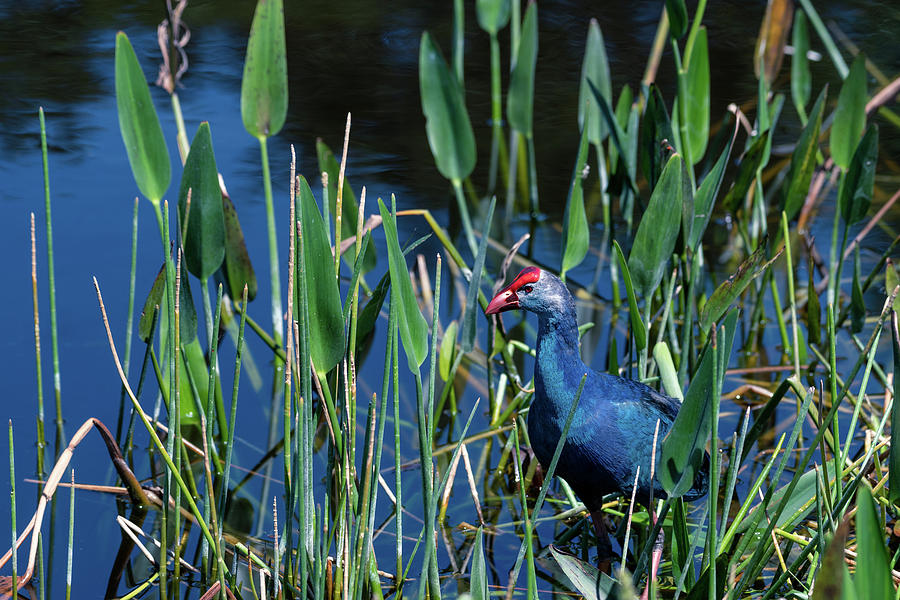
point(527, 289)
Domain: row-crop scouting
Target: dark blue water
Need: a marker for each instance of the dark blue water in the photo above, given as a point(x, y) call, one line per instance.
point(356, 56)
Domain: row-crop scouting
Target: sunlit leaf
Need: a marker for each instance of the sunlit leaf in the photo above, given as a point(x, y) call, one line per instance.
point(873, 568)
point(412, 325)
point(237, 268)
point(658, 231)
point(576, 237)
point(801, 80)
point(773, 34)
point(595, 68)
point(894, 464)
point(891, 281)
point(693, 99)
point(705, 198)
point(583, 576)
point(448, 350)
point(139, 125)
point(637, 325)
point(264, 86)
point(520, 99)
point(156, 297)
point(473, 310)
point(858, 184)
point(326, 321)
point(850, 114)
point(678, 18)
point(447, 124)
point(493, 15)
point(803, 160)
point(728, 291)
point(801, 503)
point(478, 583)
point(203, 231)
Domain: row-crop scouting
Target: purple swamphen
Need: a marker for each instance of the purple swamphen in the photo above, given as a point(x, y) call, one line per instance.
point(612, 432)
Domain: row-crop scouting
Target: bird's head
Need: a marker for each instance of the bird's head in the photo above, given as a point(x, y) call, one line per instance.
point(534, 290)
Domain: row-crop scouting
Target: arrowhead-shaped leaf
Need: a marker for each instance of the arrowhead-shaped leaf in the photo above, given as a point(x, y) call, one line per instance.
point(520, 100)
point(237, 267)
point(204, 230)
point(576, 236)
point(139, 125)
point(857, 185)
point(803, 160)
point(264, 86)
point(595, 69)
point(850, 114)
point(493, 15)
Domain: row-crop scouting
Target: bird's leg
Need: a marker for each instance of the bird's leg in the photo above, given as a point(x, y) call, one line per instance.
point(604, 548)
point(656, 556)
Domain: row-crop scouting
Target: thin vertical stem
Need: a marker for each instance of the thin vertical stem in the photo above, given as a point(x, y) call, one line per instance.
point(277, 326)
point(41, 441)
point(71, 537)
point(12, 507)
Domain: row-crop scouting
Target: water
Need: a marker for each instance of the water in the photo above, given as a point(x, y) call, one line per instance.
point(361, 58)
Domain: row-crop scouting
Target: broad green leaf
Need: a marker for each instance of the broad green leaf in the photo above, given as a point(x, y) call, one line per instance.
point(478, 583)
point(678, 18)
point(369, 313)
point(873, 568)
point(625, 145)
point(747, 171)
point(803, 160)
point(326, 322)
point(237, 268)
point(623, 108)
point(801, 502)
point(471, 314)
point(448, 350)
point(683, 450)
point(413, 329)
point(493, 15)
point(520, 99)
point(447, 124)
point(583, 576)
point(705, 198)
point(656, 129)
point(667, 371)
point(203, 231)
point(264, 86)
point(637, 325)
point(658, 231)
point(857, 304)
point(801, 80)
point(595, 69)
point(728, 291)
point(187, 313)
point(349, 208)
point(858, 184)
point(850, 114)
point(576, 237)
point(894, 464)
point(139, 125)
point(693, 100)
point(830, 579)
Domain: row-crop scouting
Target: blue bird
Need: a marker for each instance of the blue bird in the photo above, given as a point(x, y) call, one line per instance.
point(612, 432)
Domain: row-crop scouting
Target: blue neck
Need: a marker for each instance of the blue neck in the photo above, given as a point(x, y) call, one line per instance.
point(558, 364)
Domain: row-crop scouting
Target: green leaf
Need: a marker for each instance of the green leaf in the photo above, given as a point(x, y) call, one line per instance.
point(203, 232)
point(728, 291)
point(803, 160)
point(139, 125)
point(326, 322)
point(813, 308)
point(705, 198)
point(264, 86)
point(678, 18)
point(857, 304)
point(894, 464)
point(478, 583)
point(413, 329)
point(448, 350)
point(801, 80)
point(658, 231)
point(595, 69)
point(447, 124)
point(623, 108)
point(238, 269)
point(493, 15)
point(858, 184)
point(747, 171)
point(349, 207)
point(520, 99)
point(801, 502)
point(830, 579)
point(187, 313)
point(873, 569)
point(891, 281)
point(656, 129)
point(583, 577)
point(576, 236)
point(637, 325)
point(472, 308)
point(693, 100)
point(850, 114)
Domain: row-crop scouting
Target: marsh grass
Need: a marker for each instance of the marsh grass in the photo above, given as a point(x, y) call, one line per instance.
point(782, 513)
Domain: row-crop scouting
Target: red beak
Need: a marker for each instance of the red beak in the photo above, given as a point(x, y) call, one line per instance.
point(507, 298)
